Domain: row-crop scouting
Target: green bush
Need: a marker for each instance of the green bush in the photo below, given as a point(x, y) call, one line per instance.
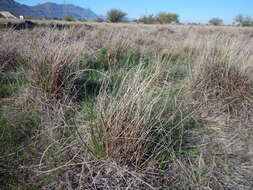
point(115, 15)
point(167, 18)
point(161, 18)
point(242, 20)
point(69, 18)
point(216, 21)
point(147, 19)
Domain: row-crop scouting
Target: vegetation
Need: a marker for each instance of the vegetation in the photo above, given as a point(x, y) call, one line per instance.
point(242, 20)
point(126, 106)
point(161, 18)
point(69, 18)
point(150, 19)
point(167, 18)
point(216, 21)
point(115, 15)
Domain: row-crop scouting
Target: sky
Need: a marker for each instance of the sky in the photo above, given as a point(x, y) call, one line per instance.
point(198, 11)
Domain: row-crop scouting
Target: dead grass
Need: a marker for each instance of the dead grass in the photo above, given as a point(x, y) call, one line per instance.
point(10, 57)
point(152, 123)
point(221, 84)
point(50, 64)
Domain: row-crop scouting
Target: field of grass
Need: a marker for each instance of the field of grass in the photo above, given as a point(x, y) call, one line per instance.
point(126, 106)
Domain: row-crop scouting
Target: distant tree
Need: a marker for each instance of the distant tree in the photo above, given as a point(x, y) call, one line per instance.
point(242, 20)
point(115, 15)
point(150, 19)
point(216, 21)
point(167, 18)
point(69, 18)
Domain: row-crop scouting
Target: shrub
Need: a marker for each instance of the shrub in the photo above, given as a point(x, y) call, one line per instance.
point(147, 19)
point(167, 18)
point(216, 21)
point(69, 18)
point(242, 20)
point(115, 15)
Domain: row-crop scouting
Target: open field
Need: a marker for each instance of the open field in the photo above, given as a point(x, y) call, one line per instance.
point(126, 106)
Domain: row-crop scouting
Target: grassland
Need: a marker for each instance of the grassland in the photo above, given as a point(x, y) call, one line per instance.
point(126, 106)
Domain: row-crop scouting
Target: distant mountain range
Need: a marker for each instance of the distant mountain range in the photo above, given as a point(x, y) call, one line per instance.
point(47, 10)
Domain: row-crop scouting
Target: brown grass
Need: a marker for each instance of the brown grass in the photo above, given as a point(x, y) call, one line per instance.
point(142, 130)
point(221, 83)
point(9, 53)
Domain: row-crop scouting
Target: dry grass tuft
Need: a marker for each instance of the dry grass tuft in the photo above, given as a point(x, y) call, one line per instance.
point(50, 62)
point(223, 85)
point(10, 57)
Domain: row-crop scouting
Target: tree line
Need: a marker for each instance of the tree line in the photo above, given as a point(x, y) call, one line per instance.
point(115, 15)
point(239, 20)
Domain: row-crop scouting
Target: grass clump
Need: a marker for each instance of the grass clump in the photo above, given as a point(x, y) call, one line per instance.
point(51, 70)
point(222, 84)
point(10, 53)
point(137, 123)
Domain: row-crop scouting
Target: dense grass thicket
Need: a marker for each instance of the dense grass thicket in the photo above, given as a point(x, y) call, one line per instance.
point(126, 106)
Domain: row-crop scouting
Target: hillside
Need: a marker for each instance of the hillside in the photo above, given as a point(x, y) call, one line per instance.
point(19, 9)
point(53, 10)
point(47, 10)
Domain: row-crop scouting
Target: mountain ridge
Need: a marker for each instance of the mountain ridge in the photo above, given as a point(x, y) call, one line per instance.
point(47, 10)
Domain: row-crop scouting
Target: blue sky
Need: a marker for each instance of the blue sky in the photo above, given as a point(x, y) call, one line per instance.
point(189, 10)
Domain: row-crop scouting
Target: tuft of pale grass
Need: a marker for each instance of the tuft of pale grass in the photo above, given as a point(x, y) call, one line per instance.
point(10, 53)
point(50, 64)
point(220, 82)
